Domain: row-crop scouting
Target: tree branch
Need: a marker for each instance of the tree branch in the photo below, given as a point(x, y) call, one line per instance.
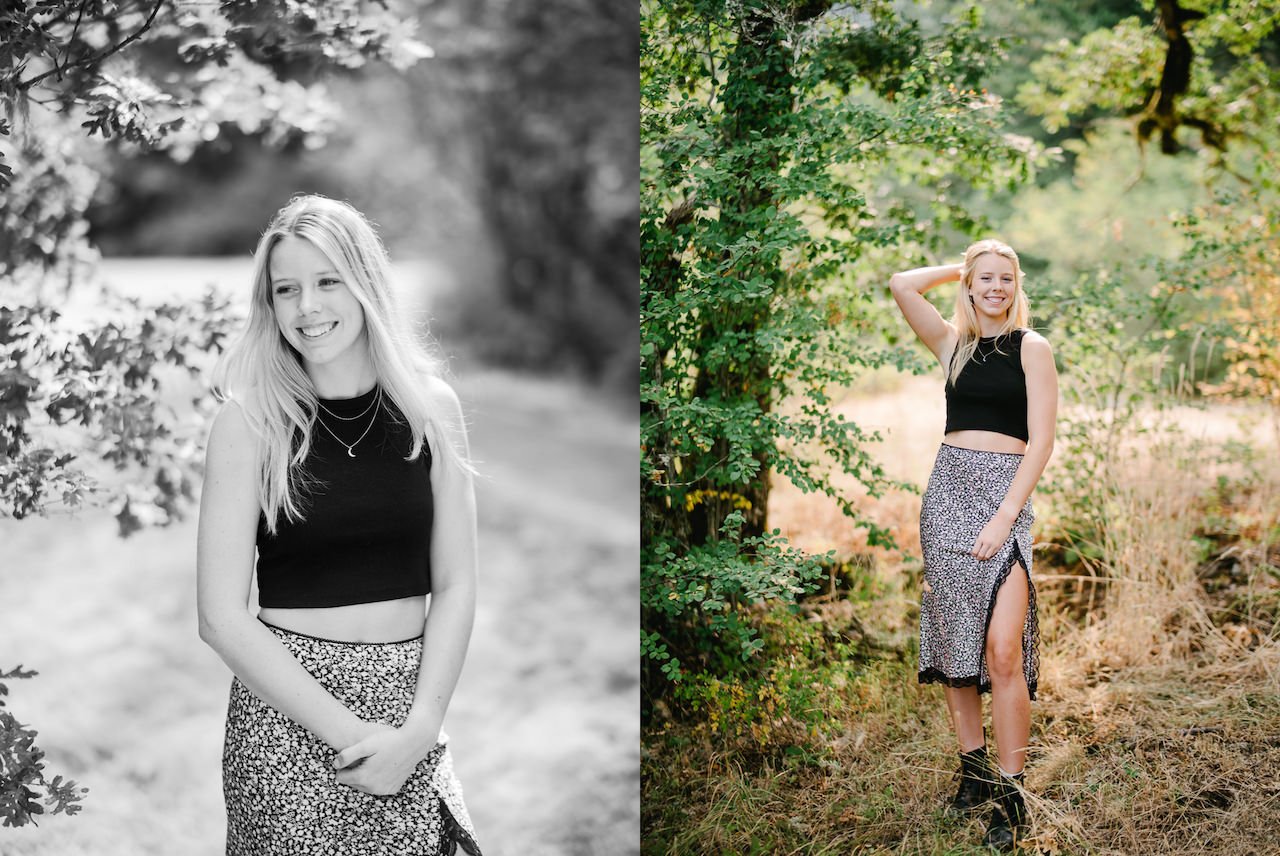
point(87, 61)
point(74, 32)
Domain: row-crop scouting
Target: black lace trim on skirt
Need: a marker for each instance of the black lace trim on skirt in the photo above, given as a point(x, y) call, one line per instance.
point(937, 676)
point(454, 836)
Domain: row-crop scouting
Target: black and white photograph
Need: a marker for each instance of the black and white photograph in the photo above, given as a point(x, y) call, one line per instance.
point(318, 527)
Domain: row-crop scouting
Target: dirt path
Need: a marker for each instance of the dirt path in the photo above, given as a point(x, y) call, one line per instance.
point(544, 724)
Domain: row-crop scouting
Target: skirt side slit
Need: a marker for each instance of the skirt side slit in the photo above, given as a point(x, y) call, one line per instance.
point(1030, 625)
point(958, 599)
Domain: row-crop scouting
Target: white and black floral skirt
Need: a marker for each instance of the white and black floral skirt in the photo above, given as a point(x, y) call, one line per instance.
point(280, 786)
point(959, 591)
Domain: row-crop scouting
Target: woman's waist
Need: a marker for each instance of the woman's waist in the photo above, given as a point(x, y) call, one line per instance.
point(985, 441)
point(382, 621)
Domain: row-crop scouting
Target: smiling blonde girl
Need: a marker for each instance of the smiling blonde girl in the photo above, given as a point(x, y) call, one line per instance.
point(337, 470)
point(978, 629)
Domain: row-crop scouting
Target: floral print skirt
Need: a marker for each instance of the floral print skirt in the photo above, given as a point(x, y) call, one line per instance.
point(278, 779)
point(959, 591)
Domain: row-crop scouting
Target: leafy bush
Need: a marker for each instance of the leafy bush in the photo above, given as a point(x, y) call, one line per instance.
point(808, 672)
point(25, 789)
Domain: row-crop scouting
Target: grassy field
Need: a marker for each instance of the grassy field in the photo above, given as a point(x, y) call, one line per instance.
point(1156, 727)
point(543, 724)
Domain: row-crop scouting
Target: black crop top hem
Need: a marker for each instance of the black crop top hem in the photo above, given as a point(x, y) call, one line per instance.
point(369, 596)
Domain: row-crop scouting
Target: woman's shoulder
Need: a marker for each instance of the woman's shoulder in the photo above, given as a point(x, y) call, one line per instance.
point(231, 437)
point(1027, 336)
point(448, 423)
point(1034, 349)
point(231, 418)
point(437, 392)
point(443, 402)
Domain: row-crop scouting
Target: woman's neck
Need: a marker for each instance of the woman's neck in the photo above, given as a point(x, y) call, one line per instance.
point(988, 327)
point(342, 381)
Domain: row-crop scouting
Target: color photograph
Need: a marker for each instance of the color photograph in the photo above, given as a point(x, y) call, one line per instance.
point(960, 421)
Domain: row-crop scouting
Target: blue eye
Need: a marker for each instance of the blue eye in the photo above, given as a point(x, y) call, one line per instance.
point(282, 289)
point(330, 280)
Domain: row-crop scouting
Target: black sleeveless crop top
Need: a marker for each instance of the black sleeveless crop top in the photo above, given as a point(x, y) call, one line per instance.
point(991, 392)
point(366, 532)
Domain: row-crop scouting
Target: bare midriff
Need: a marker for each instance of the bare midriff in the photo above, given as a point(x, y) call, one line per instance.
point(383, 621)
point(986, 441)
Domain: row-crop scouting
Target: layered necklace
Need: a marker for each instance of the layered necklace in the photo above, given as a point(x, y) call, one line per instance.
point(350, 447)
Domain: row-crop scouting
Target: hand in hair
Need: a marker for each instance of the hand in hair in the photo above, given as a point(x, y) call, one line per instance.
point(908, 289)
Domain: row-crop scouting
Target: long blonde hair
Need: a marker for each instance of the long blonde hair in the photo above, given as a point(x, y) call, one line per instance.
point(265, 376)
point(966, 317)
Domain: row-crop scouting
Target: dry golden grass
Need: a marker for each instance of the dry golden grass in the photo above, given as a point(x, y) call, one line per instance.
point(1157, 728)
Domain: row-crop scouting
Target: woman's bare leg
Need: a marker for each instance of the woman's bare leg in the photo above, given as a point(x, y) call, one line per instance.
point(1010, 698)
point(966, 716)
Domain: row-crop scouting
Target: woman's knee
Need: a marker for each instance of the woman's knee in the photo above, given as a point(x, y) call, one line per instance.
point(1004, 658)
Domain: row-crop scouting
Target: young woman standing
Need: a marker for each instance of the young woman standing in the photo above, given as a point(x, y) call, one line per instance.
point(340, 459)
point(978, 630)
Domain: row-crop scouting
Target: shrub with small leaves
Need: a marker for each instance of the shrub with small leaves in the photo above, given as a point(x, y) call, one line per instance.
point(25, 788)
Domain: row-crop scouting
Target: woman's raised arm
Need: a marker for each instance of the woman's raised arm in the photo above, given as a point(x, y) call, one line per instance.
point(908, 290)
point(224, 570)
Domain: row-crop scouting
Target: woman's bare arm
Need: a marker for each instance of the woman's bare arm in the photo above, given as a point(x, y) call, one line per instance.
point(908, 289)
point(1042, 415)
point(224, 568)
point(453, 576)
point(390, 758)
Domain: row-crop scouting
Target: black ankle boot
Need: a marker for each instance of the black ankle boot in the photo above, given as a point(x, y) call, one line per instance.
point(1009, 824)
point(976, 778)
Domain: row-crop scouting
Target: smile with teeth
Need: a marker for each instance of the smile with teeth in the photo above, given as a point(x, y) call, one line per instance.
point(317, 330)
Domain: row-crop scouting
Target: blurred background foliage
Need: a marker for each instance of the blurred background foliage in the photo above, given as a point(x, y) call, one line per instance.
point(509, 155)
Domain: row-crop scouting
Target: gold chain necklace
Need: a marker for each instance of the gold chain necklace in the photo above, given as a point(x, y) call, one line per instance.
point(350, 447)
point(360, 415)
